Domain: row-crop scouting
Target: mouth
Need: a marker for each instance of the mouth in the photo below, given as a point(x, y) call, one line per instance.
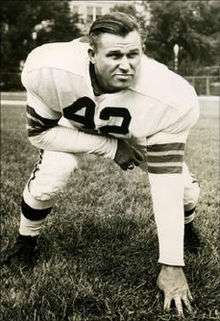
point(123, 76)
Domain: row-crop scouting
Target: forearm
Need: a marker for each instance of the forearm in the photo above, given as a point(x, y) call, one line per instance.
point(70, 140)
point(59, 137)
point(167, 196)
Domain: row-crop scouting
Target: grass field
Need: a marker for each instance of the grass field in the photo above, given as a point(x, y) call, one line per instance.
point(99, 248)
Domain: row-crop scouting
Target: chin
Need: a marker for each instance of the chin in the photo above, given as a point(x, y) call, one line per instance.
point(121, 85)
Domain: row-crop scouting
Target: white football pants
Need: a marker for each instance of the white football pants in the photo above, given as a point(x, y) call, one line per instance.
point(50, 177)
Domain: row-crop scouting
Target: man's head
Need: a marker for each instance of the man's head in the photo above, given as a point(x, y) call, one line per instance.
point(115, 50)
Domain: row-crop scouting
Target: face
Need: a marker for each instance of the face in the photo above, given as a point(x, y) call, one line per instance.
point(116, 60)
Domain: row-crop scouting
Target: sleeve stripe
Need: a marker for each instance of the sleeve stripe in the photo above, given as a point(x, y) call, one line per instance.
point(37, 124)
point(164, 159)
point(34, 120)
point(165, 153)
point(34, 131)
point(165, 170)
point(46, 121)
point(165, 164)
point(165, 147)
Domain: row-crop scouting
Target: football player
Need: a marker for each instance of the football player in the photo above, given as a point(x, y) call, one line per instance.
point(105, 97)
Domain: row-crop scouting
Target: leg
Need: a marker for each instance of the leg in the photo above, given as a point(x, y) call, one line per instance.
point(191, 194)
point(192, 240)
point(48, 179)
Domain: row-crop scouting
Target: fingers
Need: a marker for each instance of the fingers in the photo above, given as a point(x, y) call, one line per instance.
point(179, 306)
point(187, 304)
point(138, 161)
point(139, 156)
point(178, 300)
point(167, 303)
point(189, 295)
point(130, 166)
point(187, 298)
point(124, 166)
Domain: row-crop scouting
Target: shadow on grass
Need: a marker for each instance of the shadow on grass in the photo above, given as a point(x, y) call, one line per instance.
point(116, 256)
point(112, 245)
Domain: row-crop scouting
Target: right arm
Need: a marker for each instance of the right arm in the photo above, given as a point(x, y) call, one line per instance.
point(44, 132)
point(47, 90)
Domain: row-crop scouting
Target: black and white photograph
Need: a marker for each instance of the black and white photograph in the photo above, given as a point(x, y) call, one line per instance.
point(110, 160)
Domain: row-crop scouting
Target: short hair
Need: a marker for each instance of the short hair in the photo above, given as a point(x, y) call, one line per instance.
point(117, 23)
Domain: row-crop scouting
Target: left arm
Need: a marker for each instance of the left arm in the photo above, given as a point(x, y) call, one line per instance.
point(167, 190)
point(165, 154)
point(167, 197)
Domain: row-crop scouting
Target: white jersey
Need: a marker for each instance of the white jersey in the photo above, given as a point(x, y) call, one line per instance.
point(158, 108)
point(159, 100)
point(156, 111)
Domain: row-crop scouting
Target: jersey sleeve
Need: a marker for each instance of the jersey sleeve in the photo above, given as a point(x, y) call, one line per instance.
point(49, 91)
point(44, 111)
point(53, 87)
point(165, 149)
point(165, 157)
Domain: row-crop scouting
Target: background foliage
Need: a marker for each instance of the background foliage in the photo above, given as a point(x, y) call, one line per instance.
point(193, 25)
point(20, 19)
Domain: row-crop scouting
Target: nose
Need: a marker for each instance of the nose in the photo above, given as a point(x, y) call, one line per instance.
point(124, 64)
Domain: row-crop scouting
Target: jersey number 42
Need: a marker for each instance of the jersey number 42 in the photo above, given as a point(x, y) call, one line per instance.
point(87, 120)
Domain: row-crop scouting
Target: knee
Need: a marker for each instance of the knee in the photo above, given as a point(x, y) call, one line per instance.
point(49, 181)
point(67, 163)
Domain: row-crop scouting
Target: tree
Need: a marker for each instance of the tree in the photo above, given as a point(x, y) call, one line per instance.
point(190, 24)
point(48, 21)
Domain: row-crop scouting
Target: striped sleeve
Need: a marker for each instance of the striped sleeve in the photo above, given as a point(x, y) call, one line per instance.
point(37, 124)
point(165, 158)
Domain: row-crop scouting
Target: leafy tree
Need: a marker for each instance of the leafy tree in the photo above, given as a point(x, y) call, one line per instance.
point(190, 24)
point(22, 20)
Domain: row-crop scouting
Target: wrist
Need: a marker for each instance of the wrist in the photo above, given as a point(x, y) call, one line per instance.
point(170, 267)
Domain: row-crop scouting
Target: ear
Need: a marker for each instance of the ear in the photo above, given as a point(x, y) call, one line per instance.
point(91, 53)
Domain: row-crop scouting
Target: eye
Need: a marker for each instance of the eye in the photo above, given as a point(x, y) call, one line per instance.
point(114, 55)
point(132, 55)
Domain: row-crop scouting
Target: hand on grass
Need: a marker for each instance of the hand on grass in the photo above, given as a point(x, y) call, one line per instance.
point(173, 283)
